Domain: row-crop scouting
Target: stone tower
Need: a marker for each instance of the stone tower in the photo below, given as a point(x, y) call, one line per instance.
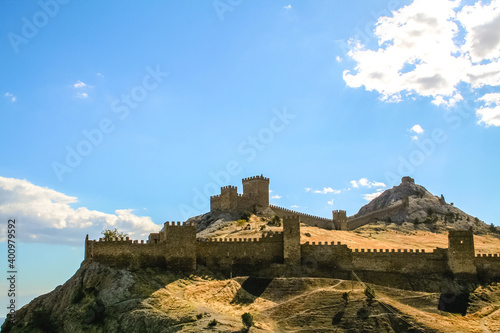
point(228, 198)
point(461, 252)
point(180, 241)
point(256, 189)
point(291, 240)
point(340, 219)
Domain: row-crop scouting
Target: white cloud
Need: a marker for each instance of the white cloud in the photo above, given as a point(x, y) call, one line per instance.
point(11, 96)
point(276, 197)
point(308, 189)
point(371, 196)
point(489, 114)
point(330, 202)
point(288, 7)
point(294, 206)
point(79, 84)
point(417, 129)
point(326, 190)
point(99, 74)
point(428, 48)
point(270, 191)
point(46, 216)
point(81, 95)
point(338, 59)
point(364, 182)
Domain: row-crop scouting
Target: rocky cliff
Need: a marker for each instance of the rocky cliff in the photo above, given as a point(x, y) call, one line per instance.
point(429, 211)
point(99, 298)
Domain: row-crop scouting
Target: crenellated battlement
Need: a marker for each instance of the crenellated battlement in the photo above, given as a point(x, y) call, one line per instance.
point(176, 224)
point(261, 177)
point(295, 213)
point(176, 246)
point(487, 255)
point(228, 188)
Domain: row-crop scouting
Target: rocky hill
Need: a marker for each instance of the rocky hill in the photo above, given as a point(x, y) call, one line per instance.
point(429, 211)
point(99, 298)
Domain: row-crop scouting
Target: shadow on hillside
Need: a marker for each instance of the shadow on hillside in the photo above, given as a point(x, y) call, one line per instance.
point(251, 289)
point(454, 303)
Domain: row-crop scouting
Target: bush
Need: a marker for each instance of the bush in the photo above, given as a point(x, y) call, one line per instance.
point(199, 316)
point(262, 227)
point(345, 297)
point(110, 234)
point(370, 294)
point(275, 221)
point(43, 321)
point(213, 323)
point(245, 216)
point(247, 320)
point(241, 222)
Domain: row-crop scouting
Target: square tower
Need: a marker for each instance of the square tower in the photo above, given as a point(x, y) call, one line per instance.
point(256, 190)
point(461, 252)
point(291, 240)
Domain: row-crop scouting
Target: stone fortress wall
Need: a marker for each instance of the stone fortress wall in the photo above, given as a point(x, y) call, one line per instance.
point(275, 253)
point(177, 248)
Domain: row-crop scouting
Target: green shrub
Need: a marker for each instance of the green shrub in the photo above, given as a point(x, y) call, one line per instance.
point(345, 297)
point(241, 222)
point(43, 321)
point(262, 227)
point(275, 221)
point(247, 320)
point(213, 323)
point(370, 294)
point(245, 216)
point(199, 316)
point(110, 234)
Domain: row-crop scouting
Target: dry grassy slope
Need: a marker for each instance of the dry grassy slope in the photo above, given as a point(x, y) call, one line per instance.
point(311, 304)
point(372, 236)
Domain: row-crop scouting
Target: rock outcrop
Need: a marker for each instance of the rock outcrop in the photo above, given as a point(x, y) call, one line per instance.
point(425, 209)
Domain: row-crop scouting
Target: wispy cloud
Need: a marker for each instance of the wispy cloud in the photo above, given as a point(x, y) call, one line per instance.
point(99, 74)
point(82, 95)
point(371, 196)
point(489, 113)
point(47, 216)
point(330, 202)
point(79, 84)
point(417, 129)
point(308, 189)
point(287, 7)
point(10, 96)
point(294, 206)
point(276, 196)
point(326, 190)
point(364, 182)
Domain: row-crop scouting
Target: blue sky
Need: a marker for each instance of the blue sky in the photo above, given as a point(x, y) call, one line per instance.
point(132, 114)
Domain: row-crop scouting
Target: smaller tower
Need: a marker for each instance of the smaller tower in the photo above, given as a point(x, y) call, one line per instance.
point(461, 252)
point(291, 240)
point(228, 198)
point(339, 219)
point(180, 245)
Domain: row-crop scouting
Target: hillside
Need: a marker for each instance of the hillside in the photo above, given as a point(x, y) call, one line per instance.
point(103, 299)
point(377, 235)
point(427, 211)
